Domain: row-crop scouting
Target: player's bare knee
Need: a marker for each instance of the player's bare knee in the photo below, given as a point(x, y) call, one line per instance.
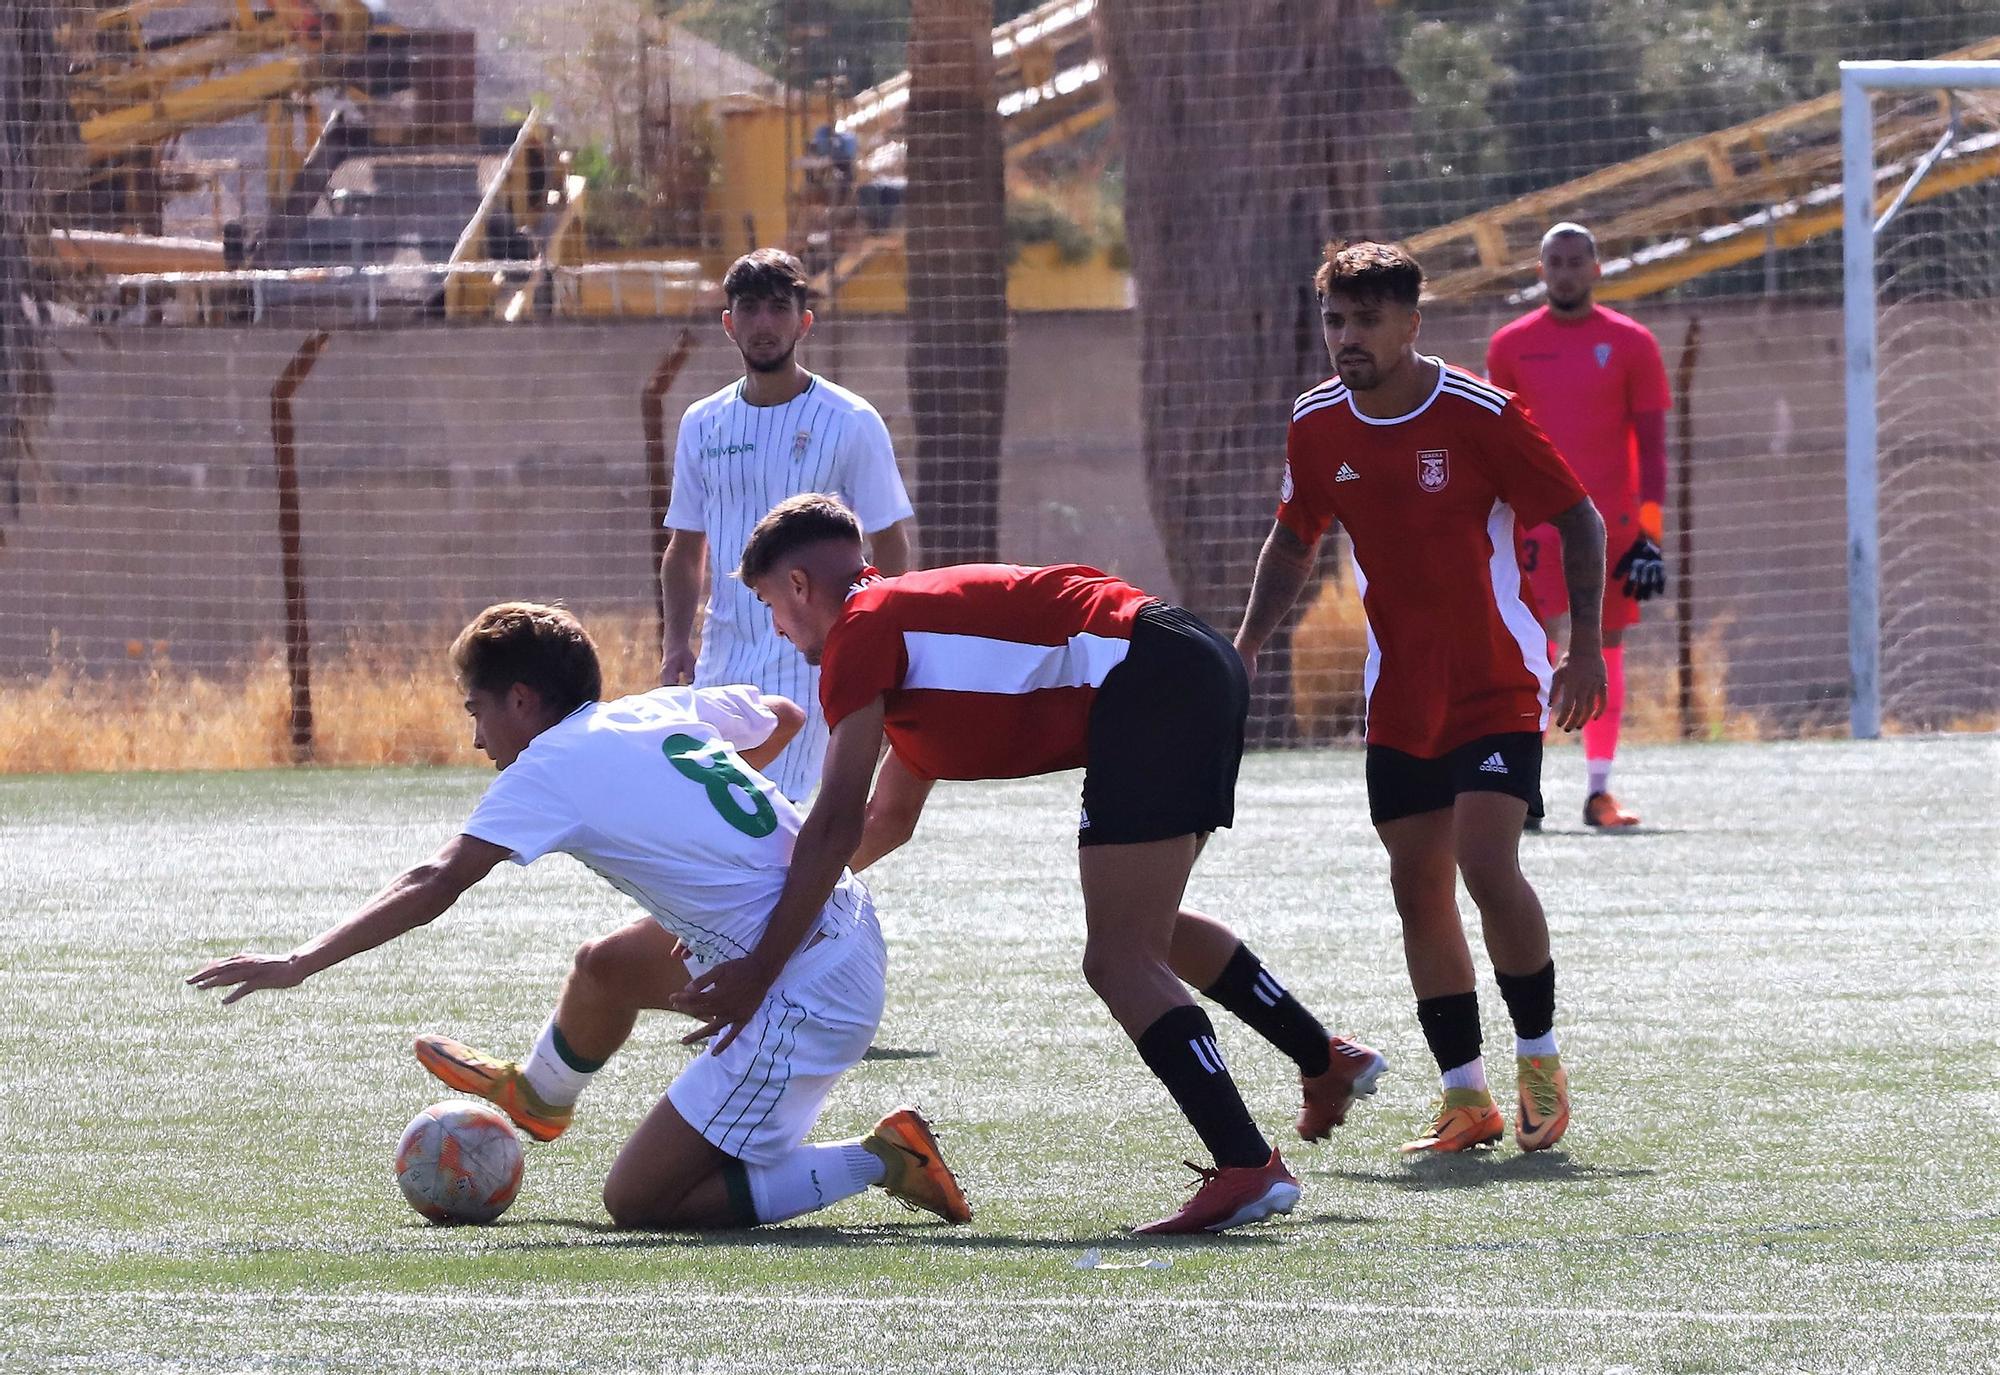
point(1102, 968)
point(634, 1209)
point(592, 962)
point(1115, 971)
point(1493, 882)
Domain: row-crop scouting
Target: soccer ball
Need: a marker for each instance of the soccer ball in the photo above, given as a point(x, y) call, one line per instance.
point(459, 1161)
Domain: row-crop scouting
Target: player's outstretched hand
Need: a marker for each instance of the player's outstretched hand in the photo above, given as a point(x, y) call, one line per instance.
point(246, 974)
point(1577, 692)
point(1644, 569)
point(725, 999)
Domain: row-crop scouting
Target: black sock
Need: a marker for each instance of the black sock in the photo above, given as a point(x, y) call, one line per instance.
point(1253, 995)
point(569, 1055)
point(1531, 1000)
point(1451, 1028)
point(1180, 1049)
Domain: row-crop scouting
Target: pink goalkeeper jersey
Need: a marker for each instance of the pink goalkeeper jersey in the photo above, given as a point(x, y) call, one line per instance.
point(1583, 381)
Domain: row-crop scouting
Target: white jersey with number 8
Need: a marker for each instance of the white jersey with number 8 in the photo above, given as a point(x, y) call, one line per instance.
point(649, 792)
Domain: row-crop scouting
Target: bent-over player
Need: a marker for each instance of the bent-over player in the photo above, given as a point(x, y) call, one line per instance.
point(651, 793)
point(1000, 671)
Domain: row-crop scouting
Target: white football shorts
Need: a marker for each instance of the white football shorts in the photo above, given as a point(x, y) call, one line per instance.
point(759, 1099)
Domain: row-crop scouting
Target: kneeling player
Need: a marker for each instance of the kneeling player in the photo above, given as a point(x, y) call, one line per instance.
point(998, 671)
point(650, 792)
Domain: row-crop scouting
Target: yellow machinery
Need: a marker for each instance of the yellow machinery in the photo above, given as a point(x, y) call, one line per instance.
point(1705, 204)
point(353, 200)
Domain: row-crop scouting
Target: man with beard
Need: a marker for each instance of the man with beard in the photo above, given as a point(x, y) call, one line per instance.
point(1429, 469)
point(779, 431)
point(1593, 380)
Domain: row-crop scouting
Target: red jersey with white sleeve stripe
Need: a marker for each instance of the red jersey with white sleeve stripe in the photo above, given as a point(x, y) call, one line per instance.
point(986, 670)
point(1430, 501)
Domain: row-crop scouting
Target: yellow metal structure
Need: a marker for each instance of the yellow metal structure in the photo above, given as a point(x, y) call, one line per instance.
point(1050, 84)
point(1710, 202)
point(133, 92)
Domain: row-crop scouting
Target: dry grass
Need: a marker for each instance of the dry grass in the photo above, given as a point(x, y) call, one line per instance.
point(381, 700)
point(391, 700)
point(1330, 648)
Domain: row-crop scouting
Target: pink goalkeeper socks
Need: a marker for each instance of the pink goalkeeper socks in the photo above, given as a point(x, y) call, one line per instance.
point(1600, 737)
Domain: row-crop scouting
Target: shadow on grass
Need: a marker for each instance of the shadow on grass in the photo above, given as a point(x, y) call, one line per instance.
point(934, 1234)
point(1609, 832)
point(1476, 1170)
point(897, 1053)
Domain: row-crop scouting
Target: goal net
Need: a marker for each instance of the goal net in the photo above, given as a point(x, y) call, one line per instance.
point(1923, 393)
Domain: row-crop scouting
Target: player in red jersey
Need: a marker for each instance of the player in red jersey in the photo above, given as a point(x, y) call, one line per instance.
point(1593, 380)
point(1429, 469)
point(1000, 671)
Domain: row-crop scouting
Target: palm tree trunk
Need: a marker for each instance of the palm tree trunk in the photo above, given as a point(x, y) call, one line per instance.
point(1253, 132)
point(957, 279)
point(37, 145)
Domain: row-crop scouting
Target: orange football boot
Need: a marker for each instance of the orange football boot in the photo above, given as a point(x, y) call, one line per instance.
point(1544, 1102)
point(1602, 809)
point(917, 1175)
point(1465, 1118)
point(499, 1082)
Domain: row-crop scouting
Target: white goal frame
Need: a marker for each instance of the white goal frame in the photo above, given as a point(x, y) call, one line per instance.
point(1860, 223)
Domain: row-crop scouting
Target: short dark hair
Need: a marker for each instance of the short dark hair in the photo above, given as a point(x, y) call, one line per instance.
point(1368, 271)
point(542, 647)
point(791, 525)
point(766, 274)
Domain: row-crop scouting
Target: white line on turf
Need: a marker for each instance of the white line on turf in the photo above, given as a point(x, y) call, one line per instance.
point(426, 1302)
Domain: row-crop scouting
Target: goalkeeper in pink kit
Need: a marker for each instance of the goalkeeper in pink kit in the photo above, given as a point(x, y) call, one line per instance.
point(1594, 382)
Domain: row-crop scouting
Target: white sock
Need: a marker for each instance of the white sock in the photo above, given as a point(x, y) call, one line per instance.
point(553, 1079)
point(810, 1178)
point(1539, 1045)
point(1470, 1075)
point(1598, 772)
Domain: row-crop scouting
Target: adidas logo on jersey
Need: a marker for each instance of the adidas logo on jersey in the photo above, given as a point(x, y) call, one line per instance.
point(1494, 764)
point(1346, 474)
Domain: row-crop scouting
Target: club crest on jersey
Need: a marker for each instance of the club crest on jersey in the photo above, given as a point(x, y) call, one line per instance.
point(1285, 488)
point(1603, 353)
point(801, 442)
point(1433, 469)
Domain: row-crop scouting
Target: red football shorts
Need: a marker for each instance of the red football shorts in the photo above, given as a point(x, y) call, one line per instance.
point(1541, 556)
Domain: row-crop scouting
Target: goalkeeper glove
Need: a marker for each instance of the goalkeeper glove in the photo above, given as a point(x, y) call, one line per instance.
point(1643, 568)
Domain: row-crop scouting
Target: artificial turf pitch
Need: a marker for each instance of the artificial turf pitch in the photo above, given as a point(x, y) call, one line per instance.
point(1778, 1006)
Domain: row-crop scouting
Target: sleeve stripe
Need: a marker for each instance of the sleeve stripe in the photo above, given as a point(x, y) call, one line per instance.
point(1471, 384)
point(1483, 399)
point(1330, 387)
point(1320, 405)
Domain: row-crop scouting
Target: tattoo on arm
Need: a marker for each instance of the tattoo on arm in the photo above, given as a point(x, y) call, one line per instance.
point(1283, 566)
point(1582, 531)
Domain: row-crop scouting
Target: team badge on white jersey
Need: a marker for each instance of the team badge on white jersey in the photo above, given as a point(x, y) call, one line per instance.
point(801, 442)
point(1433, 469)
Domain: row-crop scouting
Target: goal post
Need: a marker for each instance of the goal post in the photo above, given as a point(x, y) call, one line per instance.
point(1872, 197)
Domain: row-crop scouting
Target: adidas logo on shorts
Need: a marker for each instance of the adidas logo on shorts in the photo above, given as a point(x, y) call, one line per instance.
point(1494, 764)
point(1346, 474)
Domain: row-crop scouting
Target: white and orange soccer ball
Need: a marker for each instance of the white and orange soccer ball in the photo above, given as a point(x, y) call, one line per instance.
point(459, 1161)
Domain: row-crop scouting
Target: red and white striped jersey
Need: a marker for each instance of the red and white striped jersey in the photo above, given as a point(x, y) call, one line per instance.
point(986, 670)
point(1430, 501)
